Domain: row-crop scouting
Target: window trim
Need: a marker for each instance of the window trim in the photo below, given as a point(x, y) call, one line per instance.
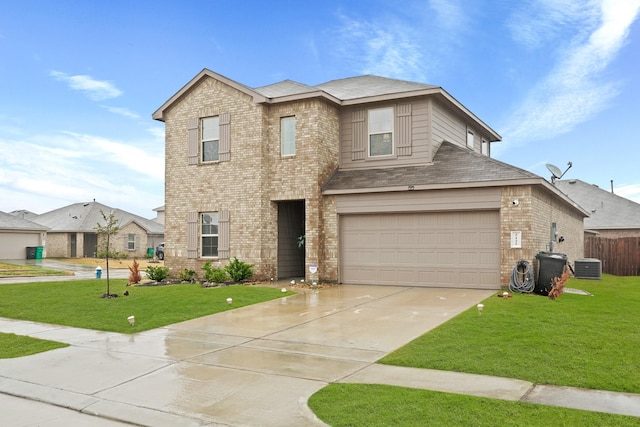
point(202, 235)
point(203, 140)
point(470, 138)
point(284, 120)
point(386, 131)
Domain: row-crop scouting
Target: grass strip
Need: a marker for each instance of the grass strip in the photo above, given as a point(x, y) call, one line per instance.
point(12, 345)
point(351, 405)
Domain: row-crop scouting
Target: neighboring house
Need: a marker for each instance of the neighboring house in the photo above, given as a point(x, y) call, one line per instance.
point(159, 215)
point(72, 231)
point(17, 234)
point(389, 182)
point(611, 215)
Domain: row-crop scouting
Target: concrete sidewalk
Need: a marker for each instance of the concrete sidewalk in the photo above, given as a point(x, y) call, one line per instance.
point(255, 365)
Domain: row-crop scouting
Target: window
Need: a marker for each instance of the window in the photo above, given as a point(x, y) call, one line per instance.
point(381, 132)
point(288, 136)
point(469, 139)
point(209, 234)
point(131, 242)
point(210, 138)
point(485, 147)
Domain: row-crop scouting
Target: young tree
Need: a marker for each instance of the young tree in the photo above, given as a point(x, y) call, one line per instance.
point(105, 232)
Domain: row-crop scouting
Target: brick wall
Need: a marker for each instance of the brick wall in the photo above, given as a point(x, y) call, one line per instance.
point(537, 209)
point(253, 181)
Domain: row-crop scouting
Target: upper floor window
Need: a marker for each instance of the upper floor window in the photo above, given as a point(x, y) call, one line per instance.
point(381, 132)
point(288, 136)
point(485, 147)
point(469, 138)
point(209, 234)
point(210, 139)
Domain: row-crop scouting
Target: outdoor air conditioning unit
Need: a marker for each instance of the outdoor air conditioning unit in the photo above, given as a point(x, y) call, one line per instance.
point(588, 268)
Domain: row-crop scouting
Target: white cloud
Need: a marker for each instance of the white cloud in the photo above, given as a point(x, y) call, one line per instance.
point(630, 191)
point(125, 112)
point(574, 91)
point(388, 50)
point(97, 90)
point(450, 14)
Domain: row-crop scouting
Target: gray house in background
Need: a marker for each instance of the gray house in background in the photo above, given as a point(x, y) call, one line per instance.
point(611, 216)
point(17, 233)
point(71, 231)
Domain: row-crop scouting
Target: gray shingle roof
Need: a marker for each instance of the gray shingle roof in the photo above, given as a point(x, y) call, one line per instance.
point(451, 165)
point(345, 89)
point(607, 210)
point(364, 86)
point(13, 222)
point(83, 217)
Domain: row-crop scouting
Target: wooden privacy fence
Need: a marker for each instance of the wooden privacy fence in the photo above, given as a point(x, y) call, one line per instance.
point(620, 256)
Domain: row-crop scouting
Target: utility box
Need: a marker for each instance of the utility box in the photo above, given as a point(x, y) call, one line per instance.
point(550, 265)
point(588, 268)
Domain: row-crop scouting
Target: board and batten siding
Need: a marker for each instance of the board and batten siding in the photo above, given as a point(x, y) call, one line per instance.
point(411, 136)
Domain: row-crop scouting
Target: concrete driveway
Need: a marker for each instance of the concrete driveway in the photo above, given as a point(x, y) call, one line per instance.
point(253, 366)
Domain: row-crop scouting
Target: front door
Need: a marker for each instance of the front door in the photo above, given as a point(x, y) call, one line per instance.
point(291, 226)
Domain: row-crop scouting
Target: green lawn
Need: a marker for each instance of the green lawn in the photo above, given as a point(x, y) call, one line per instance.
point(355, 405)
point(78, 303)
point(575, 340)
point(12, 345)
point(15, 270)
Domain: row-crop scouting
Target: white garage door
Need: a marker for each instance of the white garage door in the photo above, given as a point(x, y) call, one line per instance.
point(436, 249)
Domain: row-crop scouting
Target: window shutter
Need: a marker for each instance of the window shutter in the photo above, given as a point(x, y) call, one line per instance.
point(403, 129)
point(359, 134)
point(192, 235)
point(225, 137)
point(192, 128)
point(223, 234)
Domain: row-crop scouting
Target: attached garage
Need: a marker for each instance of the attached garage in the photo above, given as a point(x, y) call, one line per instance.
point(16, 234)
point(433, 249)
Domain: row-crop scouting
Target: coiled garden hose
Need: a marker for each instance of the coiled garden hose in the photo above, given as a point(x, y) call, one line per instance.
point(522, 278)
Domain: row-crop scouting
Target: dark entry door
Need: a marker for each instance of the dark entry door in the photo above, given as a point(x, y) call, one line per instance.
point(290, 228)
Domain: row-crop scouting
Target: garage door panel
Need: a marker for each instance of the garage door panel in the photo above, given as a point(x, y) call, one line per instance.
point(452, 249)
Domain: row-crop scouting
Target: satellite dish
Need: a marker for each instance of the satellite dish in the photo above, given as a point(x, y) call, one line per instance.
point(556, 173)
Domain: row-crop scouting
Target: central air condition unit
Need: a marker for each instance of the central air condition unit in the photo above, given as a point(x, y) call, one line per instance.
point(588, 268)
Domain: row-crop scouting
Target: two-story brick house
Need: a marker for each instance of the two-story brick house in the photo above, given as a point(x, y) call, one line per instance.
point(389, 182)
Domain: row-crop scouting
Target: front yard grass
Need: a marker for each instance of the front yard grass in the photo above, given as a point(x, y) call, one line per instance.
point(575, 340)
point(78, 303)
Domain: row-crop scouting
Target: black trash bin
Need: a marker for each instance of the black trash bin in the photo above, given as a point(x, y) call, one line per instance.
point(550, 265)
point(31, 252)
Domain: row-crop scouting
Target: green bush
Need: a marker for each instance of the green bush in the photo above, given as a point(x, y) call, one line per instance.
point(214, 274)
point(238, 270)
point(112, 255)
point(187, 275)
point(157, 273)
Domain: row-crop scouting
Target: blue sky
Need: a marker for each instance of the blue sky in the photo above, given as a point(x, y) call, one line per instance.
point(558, 79)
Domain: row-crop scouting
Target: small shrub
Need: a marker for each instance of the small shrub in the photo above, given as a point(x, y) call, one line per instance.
point(187, 275)
point(214, 274)
point(157, 273)
point(238, 270)
point(112, 255)
point(134, 272)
